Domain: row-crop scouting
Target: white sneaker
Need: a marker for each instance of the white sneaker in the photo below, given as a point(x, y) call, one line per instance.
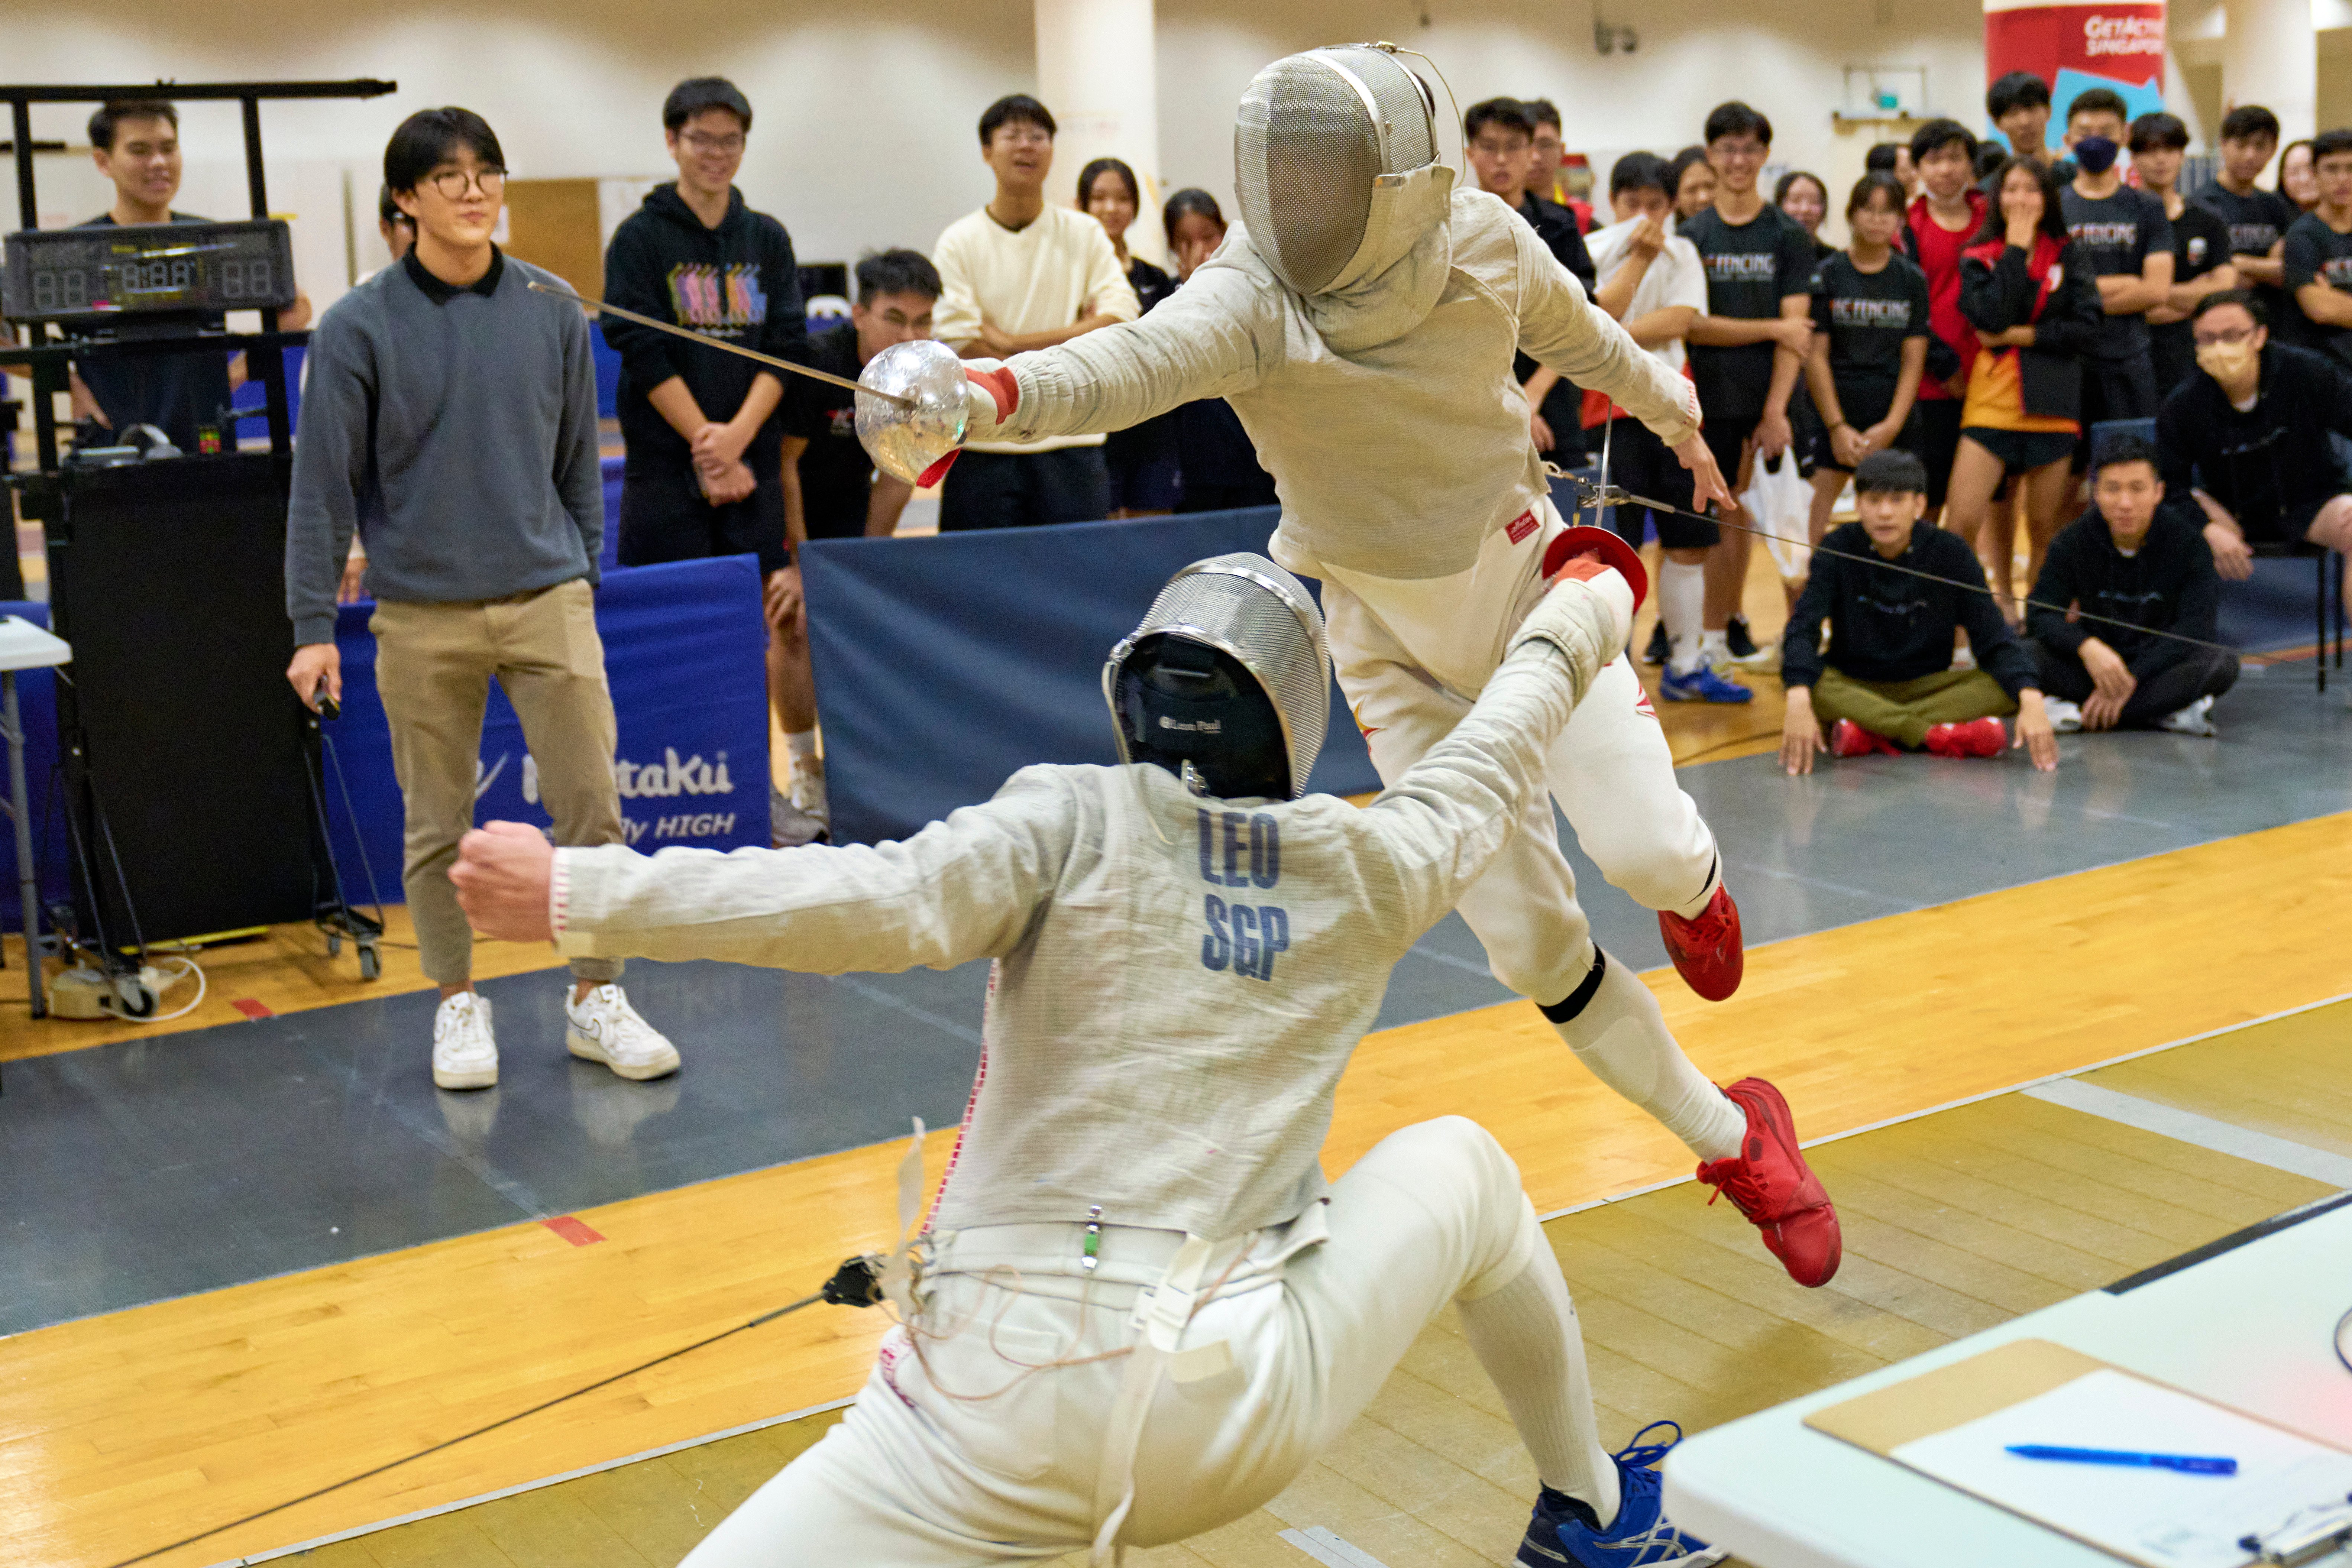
point(607, 1028)
point(2194, 719)
point(789, 827)
point(465, 1054)
point(2066, 717)
point(808, 793)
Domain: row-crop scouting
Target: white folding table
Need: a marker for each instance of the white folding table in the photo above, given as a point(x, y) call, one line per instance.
point(2248, 1322)
point(24, 646)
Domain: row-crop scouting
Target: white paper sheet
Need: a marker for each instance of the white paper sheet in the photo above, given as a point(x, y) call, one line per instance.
point(2168, 1517)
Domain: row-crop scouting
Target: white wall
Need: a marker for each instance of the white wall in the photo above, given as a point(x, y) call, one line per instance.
point(865, 133)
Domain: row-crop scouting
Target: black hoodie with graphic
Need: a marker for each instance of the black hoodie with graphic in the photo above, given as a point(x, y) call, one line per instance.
point(736, 283)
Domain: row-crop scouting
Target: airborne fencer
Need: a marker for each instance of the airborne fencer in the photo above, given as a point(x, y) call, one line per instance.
point(1362, 321)
point(1137, 1311)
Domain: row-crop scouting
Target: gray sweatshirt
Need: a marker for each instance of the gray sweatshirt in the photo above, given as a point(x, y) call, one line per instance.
point(1179, 981)
point(455, 428)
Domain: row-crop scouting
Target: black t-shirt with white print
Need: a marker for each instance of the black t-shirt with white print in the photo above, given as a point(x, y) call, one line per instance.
point(2257, 220)
point(2317, 254)
point(2201, 242)
point(1750, 268)
point(836, 473)
point(2118, 234)
point(1868, 316)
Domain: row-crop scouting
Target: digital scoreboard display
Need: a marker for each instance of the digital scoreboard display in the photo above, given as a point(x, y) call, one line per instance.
point(138, 269)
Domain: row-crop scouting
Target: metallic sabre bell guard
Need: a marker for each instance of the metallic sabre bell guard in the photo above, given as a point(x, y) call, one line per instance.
point(913, 407)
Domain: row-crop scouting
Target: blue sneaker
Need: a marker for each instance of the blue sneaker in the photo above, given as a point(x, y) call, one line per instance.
point(1701, 686)
point(1563, 1534)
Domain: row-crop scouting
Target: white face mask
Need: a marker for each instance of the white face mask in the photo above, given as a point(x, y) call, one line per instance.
point(2227, 362)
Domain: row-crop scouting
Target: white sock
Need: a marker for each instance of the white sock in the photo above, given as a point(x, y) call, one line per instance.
point(1682, 604)
point(1714, 647)
point(1622, 1036)
point(800, 747)
point(1526, 1336)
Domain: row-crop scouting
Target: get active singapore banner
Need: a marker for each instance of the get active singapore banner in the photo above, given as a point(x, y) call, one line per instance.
point(2116, 44)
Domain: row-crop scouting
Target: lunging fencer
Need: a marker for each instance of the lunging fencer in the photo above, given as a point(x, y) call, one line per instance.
point(1361, 321)
point(1137, 1312)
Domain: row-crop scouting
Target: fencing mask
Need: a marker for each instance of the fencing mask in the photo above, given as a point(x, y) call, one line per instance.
point(1330, 148)
point(1227, 682)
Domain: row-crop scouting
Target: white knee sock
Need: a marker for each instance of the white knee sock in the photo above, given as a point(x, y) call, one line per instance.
point(1622, 1036)
point(1526, 1336)
point(800, 747)
point(1681, 605)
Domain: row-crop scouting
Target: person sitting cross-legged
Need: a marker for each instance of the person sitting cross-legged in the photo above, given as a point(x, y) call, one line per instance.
point(2126, 560)
point(1886, 684)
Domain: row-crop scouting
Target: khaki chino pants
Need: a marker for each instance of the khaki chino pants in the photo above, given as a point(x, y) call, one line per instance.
point(433, 663)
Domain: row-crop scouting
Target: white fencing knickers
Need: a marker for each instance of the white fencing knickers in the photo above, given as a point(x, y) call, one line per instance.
point(1412, 655)
point(916, 1478)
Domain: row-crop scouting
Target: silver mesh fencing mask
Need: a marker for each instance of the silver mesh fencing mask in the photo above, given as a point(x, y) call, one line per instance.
point(1228, 673)
point(1315, 134)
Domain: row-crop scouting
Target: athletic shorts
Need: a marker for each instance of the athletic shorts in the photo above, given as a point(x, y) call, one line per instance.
point(1862, 411)
point(2021, 451)
point(1643, 465)
point(1727, 437)
point(2290, 526)
point(1934, 437)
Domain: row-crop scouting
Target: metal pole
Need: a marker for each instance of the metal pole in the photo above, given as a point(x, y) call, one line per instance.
point(252, 180)
point(27, 880)
point(20, 116)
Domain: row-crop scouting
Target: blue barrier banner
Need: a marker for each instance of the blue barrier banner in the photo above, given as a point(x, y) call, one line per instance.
point(685, 649)
point(37, 701)
point(945, 664)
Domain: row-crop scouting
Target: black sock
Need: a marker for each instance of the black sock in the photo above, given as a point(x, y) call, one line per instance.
point(1576, 1507)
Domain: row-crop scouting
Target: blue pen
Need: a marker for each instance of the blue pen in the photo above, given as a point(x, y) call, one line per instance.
point(2192, 1464)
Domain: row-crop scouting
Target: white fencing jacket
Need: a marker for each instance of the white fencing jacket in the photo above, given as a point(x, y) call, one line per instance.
point(1179, 981)
point(1387, 413)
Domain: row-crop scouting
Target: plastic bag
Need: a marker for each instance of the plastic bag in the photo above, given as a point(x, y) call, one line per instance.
point(1780, 502)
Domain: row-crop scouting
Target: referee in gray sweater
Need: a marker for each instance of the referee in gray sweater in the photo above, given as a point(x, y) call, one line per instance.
point(451, 418)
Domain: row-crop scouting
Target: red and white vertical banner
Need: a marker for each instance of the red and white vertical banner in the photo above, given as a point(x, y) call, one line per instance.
point(2116, 44)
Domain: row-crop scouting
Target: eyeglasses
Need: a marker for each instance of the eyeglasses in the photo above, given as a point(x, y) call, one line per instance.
point(453, 183)
point(2231, 336)
point(1025, 135)
point(702, 141)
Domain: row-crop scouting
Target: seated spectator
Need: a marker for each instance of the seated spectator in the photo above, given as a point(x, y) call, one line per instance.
point(1886, 684)
point(1216, 463)
point(1870, 343)
point(1017, 274)
point(2125, 559)
point(2028, 291)
point(1142, 457)
point(2317, 255)
point(2243, 444)
point(831, 491)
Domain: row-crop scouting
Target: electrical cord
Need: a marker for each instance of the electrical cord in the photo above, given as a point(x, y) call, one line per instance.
point(855, 1284)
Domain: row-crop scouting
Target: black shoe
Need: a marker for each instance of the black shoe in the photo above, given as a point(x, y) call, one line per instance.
point(1743, 650)
point(1661, 648)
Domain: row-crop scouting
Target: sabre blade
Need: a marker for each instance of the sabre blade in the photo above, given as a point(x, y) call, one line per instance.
point(770, 359)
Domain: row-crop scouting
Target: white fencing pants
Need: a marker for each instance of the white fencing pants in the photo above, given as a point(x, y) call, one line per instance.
point(916, 1477)
point(1411, 656)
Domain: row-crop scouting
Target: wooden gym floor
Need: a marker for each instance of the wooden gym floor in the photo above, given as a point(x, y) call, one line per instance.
point(124, 1431)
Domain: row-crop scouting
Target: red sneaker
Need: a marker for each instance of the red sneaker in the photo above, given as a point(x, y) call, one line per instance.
point(1848, 739)
point(1705, 948)
point(1773, 1187)
point(1977, 737)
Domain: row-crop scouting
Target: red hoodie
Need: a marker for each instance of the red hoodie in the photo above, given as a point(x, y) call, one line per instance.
point(1938, 250)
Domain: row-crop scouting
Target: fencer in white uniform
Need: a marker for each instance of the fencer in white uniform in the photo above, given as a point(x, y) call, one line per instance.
point(1361, 321)
point(1137, 1310)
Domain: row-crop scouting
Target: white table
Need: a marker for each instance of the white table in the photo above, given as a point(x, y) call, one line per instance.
point(2253, 1327)
point(24, 646)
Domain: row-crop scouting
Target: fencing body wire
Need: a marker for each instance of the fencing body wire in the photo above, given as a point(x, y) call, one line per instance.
point(1598, 496)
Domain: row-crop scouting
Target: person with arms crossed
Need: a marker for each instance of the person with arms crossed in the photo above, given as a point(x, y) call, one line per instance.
point(1657, 287)
point(136, 145)
point(1886, 682)
point(2200, 247)
point(1020, 275)
point(451, 417)
point(2244, 445)
point(1497, 135)
point(832, 492)
point(1870, 343)
point(2127, 240)
point(1748, 350)
point(1364, 337)
point(2027, 291)
point(2146, 571)
point(702, 477)
point(1942, 221)
point(2317, 254)
point(1104, 1339)
point(2258, 219)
